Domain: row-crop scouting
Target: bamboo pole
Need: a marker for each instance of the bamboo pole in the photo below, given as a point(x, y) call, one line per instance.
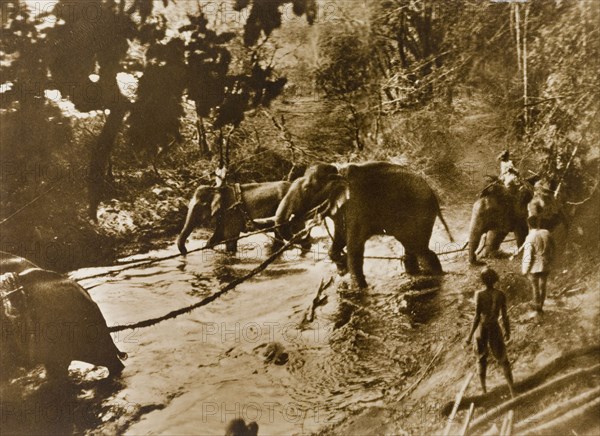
point(504, 425)
point(509, 424)
point(550, 370)
point(457, 400)
point(550, 386)
point(567, 419)
point(557, 410)
point(465, 428)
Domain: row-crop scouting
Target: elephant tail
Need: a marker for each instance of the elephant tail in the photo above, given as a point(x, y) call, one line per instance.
point(445, 224)
point(439, 214)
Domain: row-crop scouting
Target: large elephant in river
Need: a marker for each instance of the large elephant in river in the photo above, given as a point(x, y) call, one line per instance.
point(238, 204)
point(365, 200)
point(47, 318)
point(497, 212)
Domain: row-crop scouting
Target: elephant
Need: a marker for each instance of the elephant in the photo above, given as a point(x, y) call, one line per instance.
point(15, 264)
point(251, 202)
point(497, 212)
point(544, 206)
point(50, 319)
point(365, 200)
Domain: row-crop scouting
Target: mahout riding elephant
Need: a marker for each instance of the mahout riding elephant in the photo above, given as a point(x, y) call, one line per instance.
point(365, 200)
point(238, 204)
point(497, 212)
point(50, 319)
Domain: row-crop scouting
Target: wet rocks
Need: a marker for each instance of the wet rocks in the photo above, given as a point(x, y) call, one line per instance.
point(275, 353)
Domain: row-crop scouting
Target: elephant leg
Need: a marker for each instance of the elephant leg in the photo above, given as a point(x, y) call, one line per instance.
point(477, 229)
point(305, 244)
point(228, 229)
point(115, 366)
point(433, 262)
point(356, 249)
point(57, 369)
point(520, 232)
point(474, 241)
point(231, 246)
point(276, 244)
point(411, 263)
point(213, 240)
point(493, 241)
point(336, 251)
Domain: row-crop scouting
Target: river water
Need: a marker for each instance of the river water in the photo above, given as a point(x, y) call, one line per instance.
point(194, 373)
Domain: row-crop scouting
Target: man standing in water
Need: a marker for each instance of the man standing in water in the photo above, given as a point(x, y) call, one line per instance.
point(490, 303)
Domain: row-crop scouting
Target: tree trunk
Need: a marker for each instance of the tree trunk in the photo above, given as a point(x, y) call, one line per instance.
point(202, 141)
point(525, 107)
point(518, 34)
point(100, 156)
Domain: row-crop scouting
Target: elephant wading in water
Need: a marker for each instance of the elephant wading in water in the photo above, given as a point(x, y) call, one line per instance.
point(497, 212)
point(366, 200)
point(238, 204)
point(49, 319)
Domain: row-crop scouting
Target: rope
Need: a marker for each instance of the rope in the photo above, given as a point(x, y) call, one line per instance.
point(144, 262)
point(464, 248)
point(229, 286)
point(134, 263)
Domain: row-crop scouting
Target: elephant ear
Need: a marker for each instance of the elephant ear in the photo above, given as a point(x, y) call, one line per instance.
point(216, 204)
point(342, 195)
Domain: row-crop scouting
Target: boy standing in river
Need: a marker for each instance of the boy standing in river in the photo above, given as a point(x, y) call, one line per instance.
point(490, 303)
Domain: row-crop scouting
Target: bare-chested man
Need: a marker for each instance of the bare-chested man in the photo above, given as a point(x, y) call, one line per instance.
point(490, 304)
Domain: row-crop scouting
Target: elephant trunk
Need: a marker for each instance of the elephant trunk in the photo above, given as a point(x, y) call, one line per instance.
point(181, 242)
point(190, 223)
point(475, 232)
point(288, 209)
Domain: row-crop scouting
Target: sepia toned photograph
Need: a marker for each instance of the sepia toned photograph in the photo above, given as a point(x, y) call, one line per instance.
point(300, 217)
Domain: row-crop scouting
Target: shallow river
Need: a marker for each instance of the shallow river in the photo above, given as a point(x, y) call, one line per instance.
point(194, 373)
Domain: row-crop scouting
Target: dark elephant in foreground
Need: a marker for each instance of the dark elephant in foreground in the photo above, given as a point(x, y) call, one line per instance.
point(497, 212)
point(238, 204)
point(15, 264)
point(365, 200)
point(50, 319)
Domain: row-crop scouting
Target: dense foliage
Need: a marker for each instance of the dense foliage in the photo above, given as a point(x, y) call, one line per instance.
point(249, 85)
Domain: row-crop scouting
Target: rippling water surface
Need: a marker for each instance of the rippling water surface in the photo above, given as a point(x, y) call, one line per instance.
point(194, 373)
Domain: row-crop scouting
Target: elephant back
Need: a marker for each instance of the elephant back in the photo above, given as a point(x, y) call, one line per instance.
point(393, 181)
point(11, 263)
point(260, 200)
point(66, 319)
